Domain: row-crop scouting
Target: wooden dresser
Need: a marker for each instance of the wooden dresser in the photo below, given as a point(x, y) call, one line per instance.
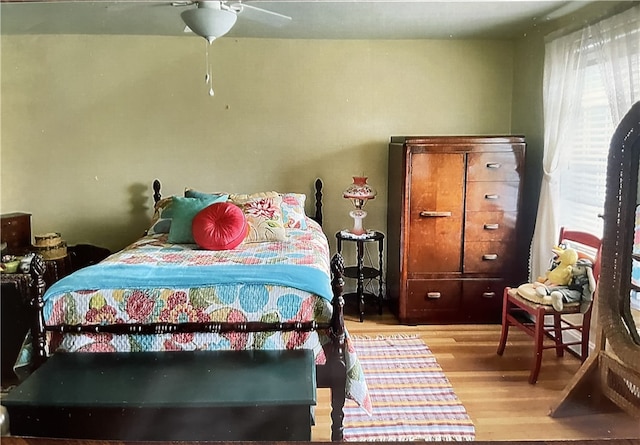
point(16, 232)
point(452, 225)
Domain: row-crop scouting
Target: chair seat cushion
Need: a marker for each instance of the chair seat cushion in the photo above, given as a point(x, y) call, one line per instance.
point(528, 292)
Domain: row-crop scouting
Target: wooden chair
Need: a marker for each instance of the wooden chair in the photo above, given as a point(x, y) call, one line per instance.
point(531, 316)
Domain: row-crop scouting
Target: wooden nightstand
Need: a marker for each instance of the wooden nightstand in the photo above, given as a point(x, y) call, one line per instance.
point(78, 256)
point(14, 310)
point(16, 232)
point(15, 297)
point(361, 272)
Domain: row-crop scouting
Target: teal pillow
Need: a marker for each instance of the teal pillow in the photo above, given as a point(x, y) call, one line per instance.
point(183, 212)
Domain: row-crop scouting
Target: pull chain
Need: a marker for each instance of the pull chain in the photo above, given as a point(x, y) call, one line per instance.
point(207, 77)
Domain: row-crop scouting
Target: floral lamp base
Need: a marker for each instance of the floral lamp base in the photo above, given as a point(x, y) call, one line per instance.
point(358, 215)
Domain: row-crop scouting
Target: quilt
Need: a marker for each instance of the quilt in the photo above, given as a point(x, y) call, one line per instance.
point(154, 281)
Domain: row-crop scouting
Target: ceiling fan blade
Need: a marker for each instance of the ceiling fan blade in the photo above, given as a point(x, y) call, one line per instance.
point(265, 16)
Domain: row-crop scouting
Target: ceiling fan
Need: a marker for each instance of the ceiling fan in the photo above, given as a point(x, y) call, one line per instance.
point(212, 19)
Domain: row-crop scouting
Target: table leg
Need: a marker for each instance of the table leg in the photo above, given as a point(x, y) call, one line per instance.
point(380, 248)
point(360, 290)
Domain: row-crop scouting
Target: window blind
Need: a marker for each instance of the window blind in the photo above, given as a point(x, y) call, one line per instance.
point(582, 183)
point(583, 180)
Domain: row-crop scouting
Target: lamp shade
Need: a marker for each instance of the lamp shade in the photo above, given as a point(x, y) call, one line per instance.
point(359, 192)
point(208, 20)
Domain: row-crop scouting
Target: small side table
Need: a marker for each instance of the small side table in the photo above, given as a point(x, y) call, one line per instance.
point(361, 272)
point(15, 321)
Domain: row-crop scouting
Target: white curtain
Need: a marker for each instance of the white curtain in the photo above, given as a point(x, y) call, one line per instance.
point(561, 92)
point(618, 43)
point(614, 42)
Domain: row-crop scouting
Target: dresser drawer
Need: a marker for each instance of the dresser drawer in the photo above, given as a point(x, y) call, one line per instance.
point(494, 166)
point(492, 197)
point(490, 226)
point(482, 300)
point(487, 257)
point(426, 296)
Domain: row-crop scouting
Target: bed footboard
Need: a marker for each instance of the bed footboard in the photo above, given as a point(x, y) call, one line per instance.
point(337, 365)
point(332, 375)
point(38, 333)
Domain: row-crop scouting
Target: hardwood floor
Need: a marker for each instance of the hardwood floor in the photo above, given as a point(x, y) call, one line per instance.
point(494, 389)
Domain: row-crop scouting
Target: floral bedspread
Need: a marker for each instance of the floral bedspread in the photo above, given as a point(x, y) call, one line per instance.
point(73, 300)
point(151, 262)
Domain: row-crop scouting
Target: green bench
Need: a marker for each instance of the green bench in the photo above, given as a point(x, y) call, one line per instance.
point(199, 395)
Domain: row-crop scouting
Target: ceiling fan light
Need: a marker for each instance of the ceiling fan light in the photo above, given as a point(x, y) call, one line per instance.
point(209, 23)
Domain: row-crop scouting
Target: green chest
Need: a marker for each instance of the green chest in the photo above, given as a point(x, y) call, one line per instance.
point(200, 395)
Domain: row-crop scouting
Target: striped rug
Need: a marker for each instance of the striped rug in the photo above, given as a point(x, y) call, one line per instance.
point(412, 398)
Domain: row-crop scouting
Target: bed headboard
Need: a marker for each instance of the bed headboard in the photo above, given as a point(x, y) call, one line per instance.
point(317, 217)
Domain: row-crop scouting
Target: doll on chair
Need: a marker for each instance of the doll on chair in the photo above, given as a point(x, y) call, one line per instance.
point(570, 280)
point(579, 290)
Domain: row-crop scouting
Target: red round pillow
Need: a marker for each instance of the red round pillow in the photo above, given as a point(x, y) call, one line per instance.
point(220, 226)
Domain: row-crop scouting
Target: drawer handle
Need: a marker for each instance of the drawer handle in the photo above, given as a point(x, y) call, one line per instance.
point(490, 256)
point(488, 294)
point(433, 295)
point(491, 196)
point(428, 214)
point(491, 226)
point(493, 165)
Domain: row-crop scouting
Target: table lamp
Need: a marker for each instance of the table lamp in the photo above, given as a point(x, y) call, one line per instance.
point(359, 192)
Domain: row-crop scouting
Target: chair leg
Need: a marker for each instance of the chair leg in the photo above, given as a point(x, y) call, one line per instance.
point(538, 342)
point(584, 350)
point(584, 346)
point(557, 335)
point(505, 323)
point(503, 337)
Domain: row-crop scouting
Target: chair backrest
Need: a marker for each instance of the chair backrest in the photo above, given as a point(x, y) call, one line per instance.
point(586, 244)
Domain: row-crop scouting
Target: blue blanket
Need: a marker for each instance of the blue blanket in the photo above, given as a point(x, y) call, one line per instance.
point(140, 276)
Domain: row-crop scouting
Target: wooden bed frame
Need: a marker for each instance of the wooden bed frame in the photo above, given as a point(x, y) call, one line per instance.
point(330, 375)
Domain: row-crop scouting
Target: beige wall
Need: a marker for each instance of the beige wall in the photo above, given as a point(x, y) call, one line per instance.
point(527, 120)
point(89, 121)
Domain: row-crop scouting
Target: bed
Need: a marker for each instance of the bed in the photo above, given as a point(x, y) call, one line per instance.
point(282, 292)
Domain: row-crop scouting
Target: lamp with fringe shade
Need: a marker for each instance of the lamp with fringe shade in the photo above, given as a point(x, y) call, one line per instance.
point(359, 192)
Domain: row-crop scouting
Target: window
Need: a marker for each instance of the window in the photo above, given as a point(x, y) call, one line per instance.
point(591, 79)
point(582, 181)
